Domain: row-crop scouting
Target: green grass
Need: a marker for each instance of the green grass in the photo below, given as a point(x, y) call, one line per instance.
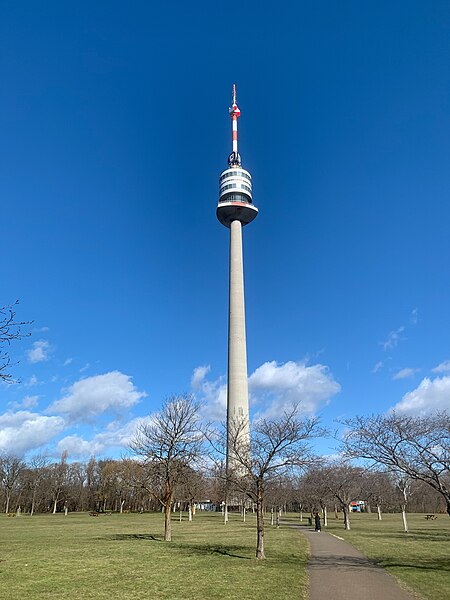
point(420, 559)
point(50, 557)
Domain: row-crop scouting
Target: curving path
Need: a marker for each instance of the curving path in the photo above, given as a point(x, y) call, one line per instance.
point(337, 571)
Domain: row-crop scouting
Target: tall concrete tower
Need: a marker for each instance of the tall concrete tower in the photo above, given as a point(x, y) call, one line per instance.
point(236, 209)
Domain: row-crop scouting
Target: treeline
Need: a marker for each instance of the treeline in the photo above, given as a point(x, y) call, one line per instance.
point(109, 485)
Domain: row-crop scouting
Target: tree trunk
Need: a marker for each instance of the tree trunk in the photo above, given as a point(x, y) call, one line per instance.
point(379, 512)
point(271, 516)
point(260, 521)
point(121, 506)
point(167, 514)
point(8, 497)
point(301, 516)
point(190, 512)
point(243, 514)
point(325, 516)
point(346, 518)
point(405, 522)
point(54, 506)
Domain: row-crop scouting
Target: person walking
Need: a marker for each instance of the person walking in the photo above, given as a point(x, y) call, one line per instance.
point(317, 524)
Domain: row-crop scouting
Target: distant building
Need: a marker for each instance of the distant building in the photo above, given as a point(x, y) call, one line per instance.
point(357, 506)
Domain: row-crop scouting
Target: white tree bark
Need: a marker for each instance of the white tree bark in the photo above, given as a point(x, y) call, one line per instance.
point(405, 522)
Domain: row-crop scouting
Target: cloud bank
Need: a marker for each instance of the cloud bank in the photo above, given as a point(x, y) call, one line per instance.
point(24, 430)
point(279, 386)
point(272, 388)
point(95, 395)
point(429, 396)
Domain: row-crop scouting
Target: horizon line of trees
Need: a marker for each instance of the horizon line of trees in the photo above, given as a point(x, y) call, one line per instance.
point(40, 485)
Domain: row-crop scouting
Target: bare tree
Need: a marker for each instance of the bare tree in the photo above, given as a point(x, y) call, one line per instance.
point(418, 447)
point(403, 487)
point(58, 479)
point(378, 490)
point(277, 446)
point(192, 487)
point(11, 468)
point(316, 491)
point(36, 473)
point(170, 441)
point(10, 330)
point(345, 483)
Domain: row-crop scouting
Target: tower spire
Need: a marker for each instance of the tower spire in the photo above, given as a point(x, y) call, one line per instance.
point(234, 160)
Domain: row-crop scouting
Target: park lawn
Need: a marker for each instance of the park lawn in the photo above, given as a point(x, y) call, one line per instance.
point(50, 557)
point(420, 559)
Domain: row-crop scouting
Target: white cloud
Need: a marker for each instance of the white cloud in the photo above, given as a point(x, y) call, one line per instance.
point(396, 336)
point(95, 395)
point(213, 396)
point(443, 367)
point(280, 386)
point(41, 329)
point(429, 396)
point(114, 436)
point(272, 387)
point(32, 381)
point(27, 402)
point(393, 338)
point(24, 430)
point(67, 362)
point(405, 373)
point(199, 375)
point(39, 352)
point(76, 446)
point(378, 366)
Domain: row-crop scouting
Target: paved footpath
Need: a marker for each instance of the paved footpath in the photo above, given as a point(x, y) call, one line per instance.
point(337, 571)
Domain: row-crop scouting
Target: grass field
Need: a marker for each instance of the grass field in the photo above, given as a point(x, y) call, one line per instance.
point(420, 558)
point(123, 556)
point(47, 557)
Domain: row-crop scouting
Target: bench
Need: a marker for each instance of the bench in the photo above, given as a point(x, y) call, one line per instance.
point(430, 517)
point(93, 514)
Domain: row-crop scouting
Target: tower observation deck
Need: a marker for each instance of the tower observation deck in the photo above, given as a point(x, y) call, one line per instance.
point(234, 210)
point(235, 183)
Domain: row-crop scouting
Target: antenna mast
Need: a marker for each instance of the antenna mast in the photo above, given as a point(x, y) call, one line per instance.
point(234, 160)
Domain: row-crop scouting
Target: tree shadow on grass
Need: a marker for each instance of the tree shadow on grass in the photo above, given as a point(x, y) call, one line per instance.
point(200, 549)
point(136, 536)
point(234, 551)
point(433, 564)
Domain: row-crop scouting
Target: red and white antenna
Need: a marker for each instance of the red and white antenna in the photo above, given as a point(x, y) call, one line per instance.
point(234, 159)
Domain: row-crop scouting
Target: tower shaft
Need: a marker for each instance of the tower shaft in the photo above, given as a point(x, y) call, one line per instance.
point(237, 391)
point(234, 210)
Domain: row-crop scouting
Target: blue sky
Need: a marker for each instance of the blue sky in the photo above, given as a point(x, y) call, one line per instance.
point(113, 132)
